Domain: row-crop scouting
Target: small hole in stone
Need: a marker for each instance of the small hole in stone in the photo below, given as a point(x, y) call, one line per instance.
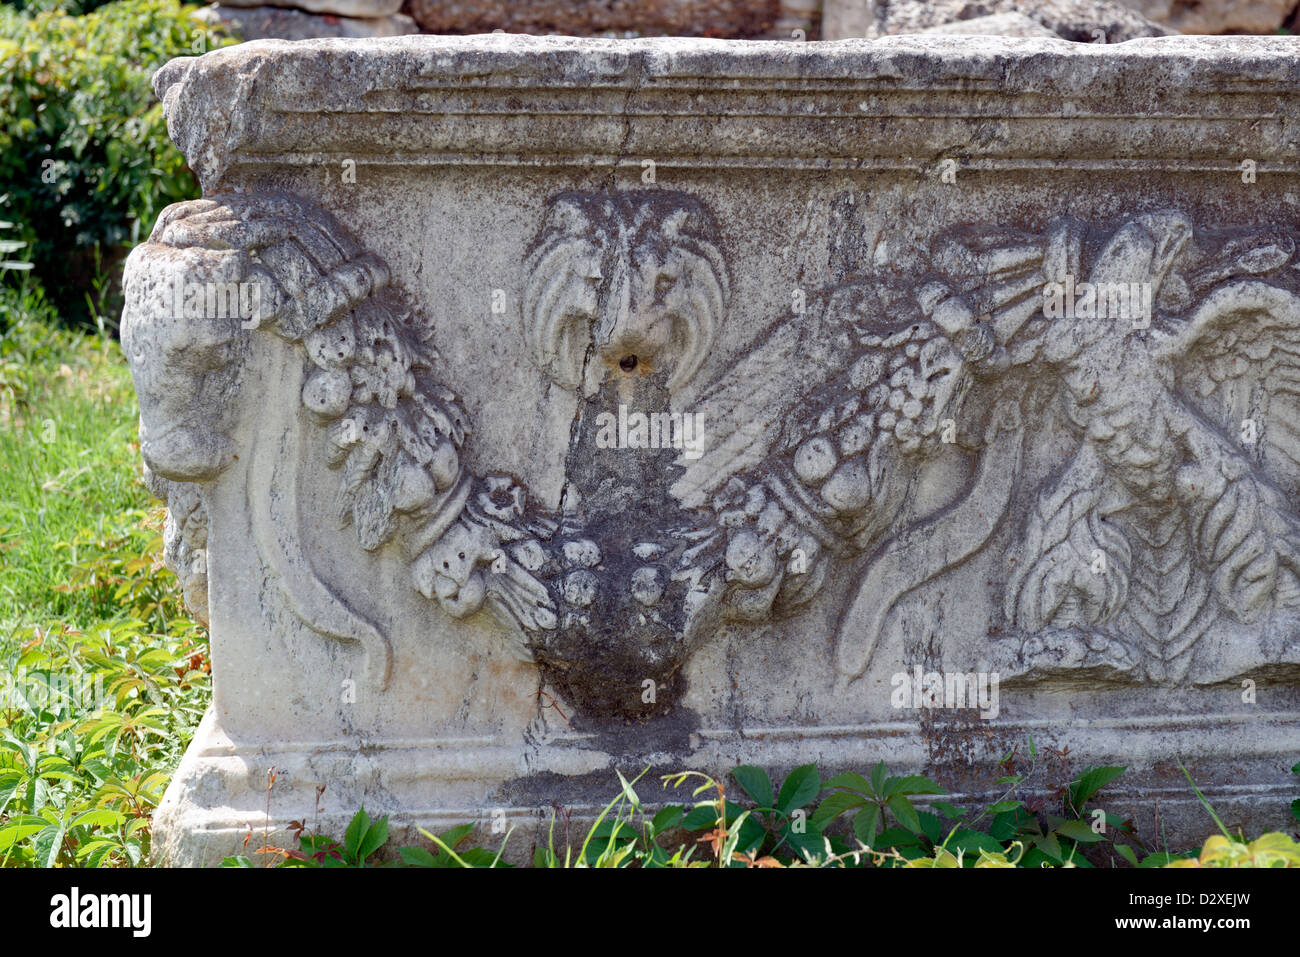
point(627, 363)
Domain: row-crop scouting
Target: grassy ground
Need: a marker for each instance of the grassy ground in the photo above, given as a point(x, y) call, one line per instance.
point(104, 677)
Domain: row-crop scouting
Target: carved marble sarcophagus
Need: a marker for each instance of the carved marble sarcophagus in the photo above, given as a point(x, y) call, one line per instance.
point(528, 408)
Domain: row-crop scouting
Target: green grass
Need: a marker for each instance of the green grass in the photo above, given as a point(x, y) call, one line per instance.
point(69, 465)
point(102, 676)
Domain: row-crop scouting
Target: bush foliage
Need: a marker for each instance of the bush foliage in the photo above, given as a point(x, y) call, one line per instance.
point(84, 156)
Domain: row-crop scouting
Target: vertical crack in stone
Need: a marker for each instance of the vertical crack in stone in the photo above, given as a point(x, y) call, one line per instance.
point(640, 61)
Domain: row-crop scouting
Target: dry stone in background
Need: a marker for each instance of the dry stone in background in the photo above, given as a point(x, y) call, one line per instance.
point(363, 9)
point(712, 18)
point(285, 23)
point(997, 25)
point(1217, 16)
point(1070, 19)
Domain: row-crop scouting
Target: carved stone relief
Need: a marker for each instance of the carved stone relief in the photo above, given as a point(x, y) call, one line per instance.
point(1170, 354)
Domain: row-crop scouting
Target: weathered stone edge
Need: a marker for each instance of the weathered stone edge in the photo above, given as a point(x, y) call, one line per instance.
point(1169, 102)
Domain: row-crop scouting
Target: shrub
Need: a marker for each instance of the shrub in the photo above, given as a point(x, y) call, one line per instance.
point(84, 154)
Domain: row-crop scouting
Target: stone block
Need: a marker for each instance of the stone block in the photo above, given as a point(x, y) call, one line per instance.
point(534, 407)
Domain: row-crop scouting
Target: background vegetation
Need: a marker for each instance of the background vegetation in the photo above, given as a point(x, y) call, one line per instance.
point(85, 162)
point(102, 676)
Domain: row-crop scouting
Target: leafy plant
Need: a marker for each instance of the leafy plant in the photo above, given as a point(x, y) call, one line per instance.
point(84, 154)
point(1295, 805)
point(363, 838)
point(1271, 850)
point(10, 245)
point(1274, 849)
point(623, 836)
point(103, 677)
point(872, 798)
point(767, 835)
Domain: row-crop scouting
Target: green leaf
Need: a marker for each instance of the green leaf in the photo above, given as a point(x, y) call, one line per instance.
point(897, 837)
point(749, 835)
point(931, 826)
point(481, 857)
point(1048, 845)
point(376, 836)
point(1001, 807)
point(418, 857)
point(854, 782)
point(667, 817)
point(49, 842)
point(878, 775)
point(755, 783)
point(1295, 809)
point(1079, 831)
point(807, 844)
point(96, 852)
point(98, 817)
point(835, 805)
point(803, 784)
point(865, 824)
point(700, 817)
point(454, 837)
point(972, 842)
point(904, 813)
point(1090, 782)
point(239, 861)
point(916, 784)
point(13, 833)
point(357, 829)
point(1126, 852)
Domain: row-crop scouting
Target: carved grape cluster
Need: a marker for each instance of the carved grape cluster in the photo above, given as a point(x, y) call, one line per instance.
point(897, 388)
point(830, 490)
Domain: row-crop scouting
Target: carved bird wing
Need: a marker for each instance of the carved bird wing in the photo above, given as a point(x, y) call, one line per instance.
point(1237, 361)
point(746, 412)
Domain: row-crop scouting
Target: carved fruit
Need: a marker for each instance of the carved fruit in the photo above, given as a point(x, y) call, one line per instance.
point(412, 488)
point(751, 562)
point(814, 460)
point(444, 466)
point(580, 588)
point(328, 393)
point(848, 491)
point(647, 588)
